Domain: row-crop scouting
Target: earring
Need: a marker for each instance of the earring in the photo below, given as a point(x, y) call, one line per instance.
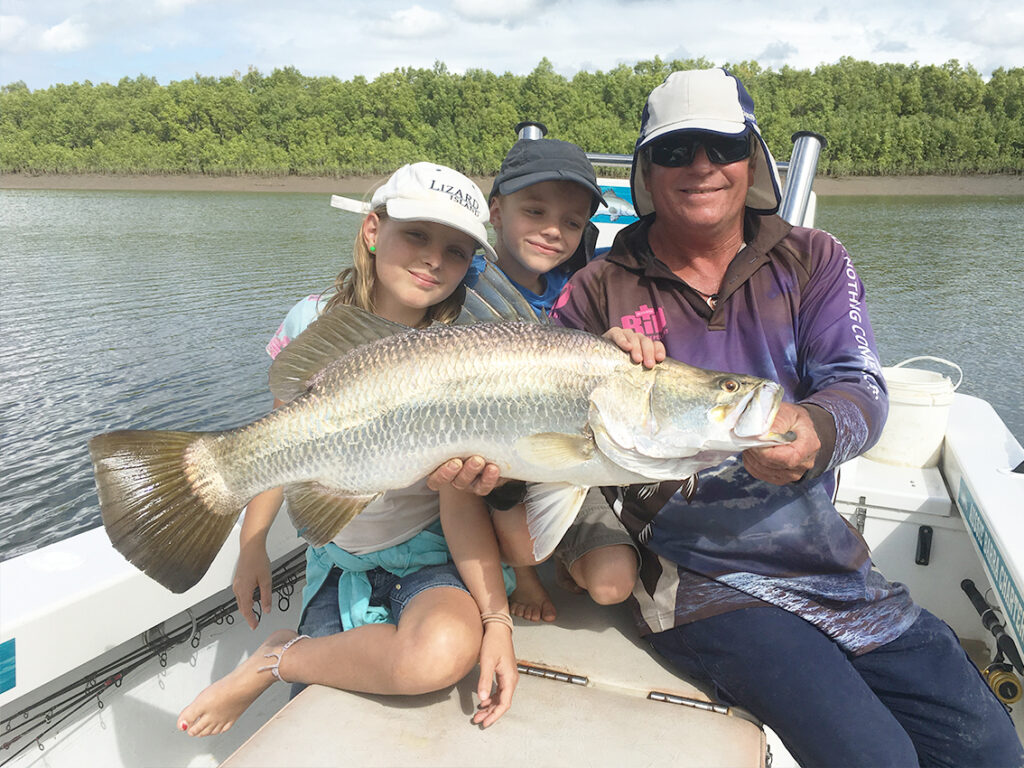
point(373, 249)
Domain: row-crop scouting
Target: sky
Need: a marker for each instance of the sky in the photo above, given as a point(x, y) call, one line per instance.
point(43, 42)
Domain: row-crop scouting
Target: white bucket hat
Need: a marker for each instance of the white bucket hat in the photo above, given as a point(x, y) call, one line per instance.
point(430, 192)
point(713, 101)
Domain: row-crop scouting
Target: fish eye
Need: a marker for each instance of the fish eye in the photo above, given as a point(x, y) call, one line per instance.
point(730, 385)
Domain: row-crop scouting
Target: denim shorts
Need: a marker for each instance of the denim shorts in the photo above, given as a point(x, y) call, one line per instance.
point(322, 617)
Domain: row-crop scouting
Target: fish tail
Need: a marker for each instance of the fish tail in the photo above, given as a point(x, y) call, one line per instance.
point(164, 503)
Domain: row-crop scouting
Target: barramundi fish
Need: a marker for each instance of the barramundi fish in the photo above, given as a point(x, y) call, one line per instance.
point(372, 406)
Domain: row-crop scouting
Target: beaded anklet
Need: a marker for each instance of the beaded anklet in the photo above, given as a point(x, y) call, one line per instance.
point(275, 668)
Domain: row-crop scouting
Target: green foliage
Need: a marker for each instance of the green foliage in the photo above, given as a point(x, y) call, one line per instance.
point(878, 118)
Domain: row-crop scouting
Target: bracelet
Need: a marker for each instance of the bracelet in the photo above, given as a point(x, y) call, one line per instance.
point(499, 616)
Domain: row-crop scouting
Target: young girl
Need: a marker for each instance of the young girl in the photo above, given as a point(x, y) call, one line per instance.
point(410, 595)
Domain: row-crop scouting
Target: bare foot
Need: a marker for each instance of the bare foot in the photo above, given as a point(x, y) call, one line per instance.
point(220, 704)
point(530, 600)
point(564, 579)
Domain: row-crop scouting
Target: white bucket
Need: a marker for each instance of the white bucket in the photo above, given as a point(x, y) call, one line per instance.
point(919, 403)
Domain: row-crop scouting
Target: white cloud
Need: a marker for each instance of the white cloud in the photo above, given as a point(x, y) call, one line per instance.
point(776, 53)
point(69, 35)
point(411, 23)
point(510, 13)
point(892, 46)
point(11, 29)
point(986, 28)
point(174, 6)
point(21, 35)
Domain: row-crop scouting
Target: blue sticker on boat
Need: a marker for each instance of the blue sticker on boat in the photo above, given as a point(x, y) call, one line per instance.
point(1009, 594)
point(619, 208)
point(7, 680)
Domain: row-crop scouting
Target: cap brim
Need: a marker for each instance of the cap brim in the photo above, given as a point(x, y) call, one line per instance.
point(707, 125)
point(517, 183)
point(350, 204)
point(401, 209)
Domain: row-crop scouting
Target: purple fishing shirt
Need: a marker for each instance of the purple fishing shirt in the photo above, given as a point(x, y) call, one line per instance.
point(790, 309)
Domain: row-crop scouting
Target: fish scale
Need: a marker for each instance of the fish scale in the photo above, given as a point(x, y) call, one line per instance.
point(351, 431)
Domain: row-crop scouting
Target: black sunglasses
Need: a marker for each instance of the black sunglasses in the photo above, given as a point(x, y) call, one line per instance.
point(678, 149)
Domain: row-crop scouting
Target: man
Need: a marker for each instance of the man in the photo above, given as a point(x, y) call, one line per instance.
point(757, 587)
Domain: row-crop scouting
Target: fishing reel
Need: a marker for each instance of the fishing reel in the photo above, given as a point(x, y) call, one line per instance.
point(1003, 682)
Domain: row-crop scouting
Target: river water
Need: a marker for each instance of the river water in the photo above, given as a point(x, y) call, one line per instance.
point(151, 310)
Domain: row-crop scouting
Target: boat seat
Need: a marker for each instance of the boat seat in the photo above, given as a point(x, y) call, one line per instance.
point(596, 720)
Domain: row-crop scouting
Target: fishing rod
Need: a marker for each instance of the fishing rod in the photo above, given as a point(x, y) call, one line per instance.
point(998, 674)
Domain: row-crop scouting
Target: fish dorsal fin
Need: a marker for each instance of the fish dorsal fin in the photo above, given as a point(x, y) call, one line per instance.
point(494, 299)
point(331, 336)
point(319, 512)
point(550, 509)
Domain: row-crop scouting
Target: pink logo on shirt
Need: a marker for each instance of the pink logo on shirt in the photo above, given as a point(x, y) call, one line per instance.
point(563, 298)
point(277, 344)
point(650, 322)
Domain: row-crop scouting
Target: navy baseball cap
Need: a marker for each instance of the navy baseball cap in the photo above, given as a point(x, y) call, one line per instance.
point(531, 161)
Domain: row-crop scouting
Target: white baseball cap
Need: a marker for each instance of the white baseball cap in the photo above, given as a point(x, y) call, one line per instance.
point(712, 101)
point(430, 192)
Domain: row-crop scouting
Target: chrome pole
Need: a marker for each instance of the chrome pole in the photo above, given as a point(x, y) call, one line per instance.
point(531, 130)
point(803, 165)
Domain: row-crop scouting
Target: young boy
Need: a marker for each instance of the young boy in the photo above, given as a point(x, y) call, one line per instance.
point(541, 204)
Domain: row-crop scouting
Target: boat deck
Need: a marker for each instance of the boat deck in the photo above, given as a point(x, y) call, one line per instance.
point(598, 720)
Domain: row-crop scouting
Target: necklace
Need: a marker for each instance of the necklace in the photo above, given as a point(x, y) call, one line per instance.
point(710, 298)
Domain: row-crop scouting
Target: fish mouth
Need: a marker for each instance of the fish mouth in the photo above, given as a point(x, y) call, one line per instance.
point(757, 411)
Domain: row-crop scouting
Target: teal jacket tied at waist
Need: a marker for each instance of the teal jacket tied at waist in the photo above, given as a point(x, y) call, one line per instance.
point(428, 547)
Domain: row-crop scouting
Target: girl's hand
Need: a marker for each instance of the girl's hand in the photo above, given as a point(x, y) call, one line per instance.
point(252, 571)
point(641, 348)
point(497, 660)
point(473, 475)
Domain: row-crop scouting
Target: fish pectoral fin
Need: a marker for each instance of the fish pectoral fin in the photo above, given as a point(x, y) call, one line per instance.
point(318, 512)
point(550, 509)
point(557, 450)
